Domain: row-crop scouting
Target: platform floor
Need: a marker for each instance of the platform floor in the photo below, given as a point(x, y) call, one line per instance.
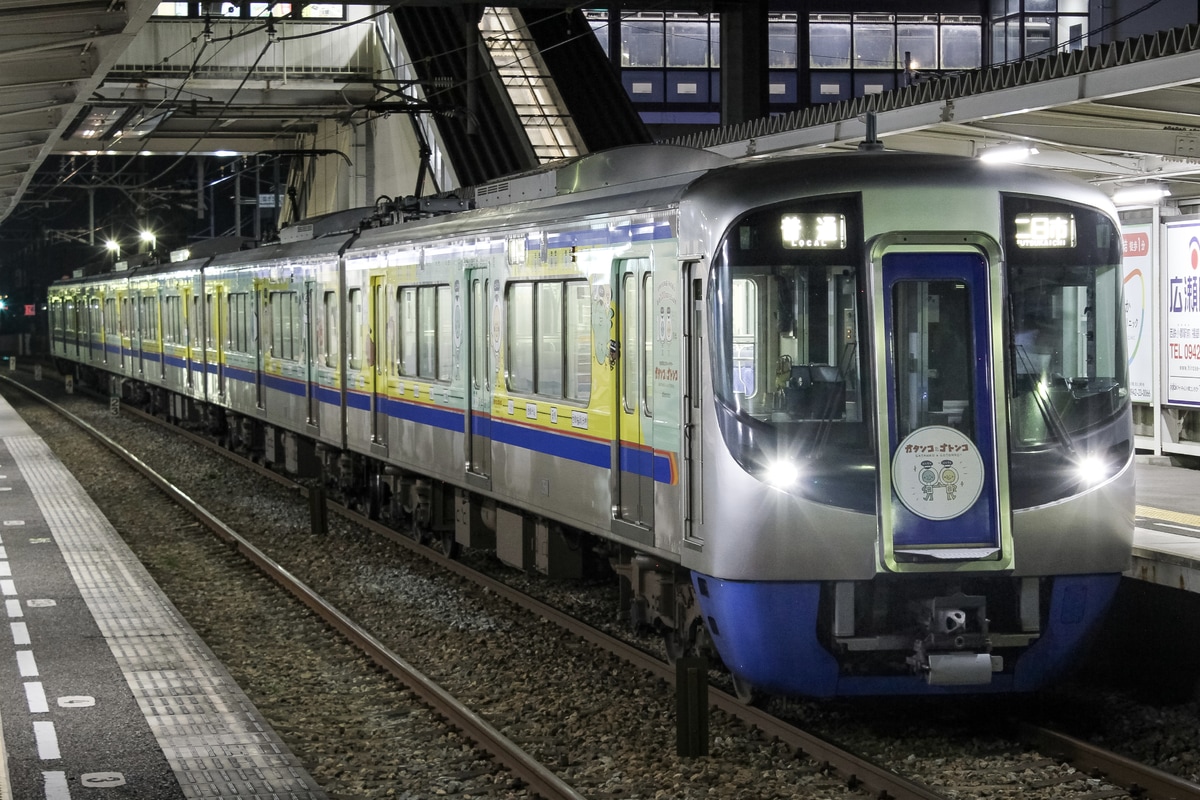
point(105, 691)
point(1166, 542)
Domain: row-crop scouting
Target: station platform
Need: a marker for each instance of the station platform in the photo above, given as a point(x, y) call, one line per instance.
point(103, 686)
point(1166, 541)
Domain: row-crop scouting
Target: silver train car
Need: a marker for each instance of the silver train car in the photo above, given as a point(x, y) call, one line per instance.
point(858, 423)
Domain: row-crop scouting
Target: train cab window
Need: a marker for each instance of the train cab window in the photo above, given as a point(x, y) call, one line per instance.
point(1068, 370)
point(784, 295)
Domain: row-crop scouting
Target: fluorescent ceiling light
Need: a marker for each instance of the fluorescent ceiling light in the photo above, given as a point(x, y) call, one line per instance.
point(1006, 153)
point(1142, 193)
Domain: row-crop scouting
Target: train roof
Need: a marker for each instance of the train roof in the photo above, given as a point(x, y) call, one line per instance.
point(775, 179)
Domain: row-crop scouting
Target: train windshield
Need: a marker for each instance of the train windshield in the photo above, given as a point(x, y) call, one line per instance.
point(1069, 368)
point(785, 295)
point(1067, 363)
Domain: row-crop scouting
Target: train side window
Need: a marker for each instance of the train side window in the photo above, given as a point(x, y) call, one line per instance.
point(427, 332)
point(356, 329)
point(629, 343)
point(549, 339)
point(173, 320)
point(150, 318)
point(285, 308)
point(648, 328)
point(214, 319)
point(578, 342)
point(330, 341)
point(95, 321)
point(126, 316)
point(445, 333)
point(479, 335)
point(520, 337)
point(239, 322)
point(110, 316)
point(406, 348)
point(193, 322)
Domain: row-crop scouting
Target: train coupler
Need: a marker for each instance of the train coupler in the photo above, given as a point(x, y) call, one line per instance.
point(954, 647)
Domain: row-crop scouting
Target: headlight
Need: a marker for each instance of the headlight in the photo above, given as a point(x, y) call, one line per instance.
point(781, 473)
point(1091, 470)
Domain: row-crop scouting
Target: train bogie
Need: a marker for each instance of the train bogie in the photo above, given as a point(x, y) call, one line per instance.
point(858, 423)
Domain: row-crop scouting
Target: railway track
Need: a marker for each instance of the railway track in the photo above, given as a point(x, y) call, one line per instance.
point(853, 772)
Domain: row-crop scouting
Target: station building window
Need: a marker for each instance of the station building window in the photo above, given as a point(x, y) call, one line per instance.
point(670, 61)
point(1031, 28)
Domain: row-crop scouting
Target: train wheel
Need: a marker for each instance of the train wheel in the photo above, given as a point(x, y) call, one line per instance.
point(679, 645)
point(448, 544)
point(676, 649)
point(420, 533)
point(746, 693)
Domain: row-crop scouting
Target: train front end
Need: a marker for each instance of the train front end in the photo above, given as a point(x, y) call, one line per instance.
point(916, 471)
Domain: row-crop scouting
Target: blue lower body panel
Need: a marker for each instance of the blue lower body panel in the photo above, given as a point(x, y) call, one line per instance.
point(766, 633)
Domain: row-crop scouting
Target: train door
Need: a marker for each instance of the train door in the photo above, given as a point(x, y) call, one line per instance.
point(140, 320)
point(693, 331)
point(633, 501)
point(95, 330)
point(377, 337)
point(218, 327)
point(478, 445)
point(312, 352)
point(945, 454)
point(261, 340)
point(187, 307)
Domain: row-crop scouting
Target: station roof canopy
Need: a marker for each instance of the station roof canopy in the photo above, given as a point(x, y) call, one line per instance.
point(1120, 114)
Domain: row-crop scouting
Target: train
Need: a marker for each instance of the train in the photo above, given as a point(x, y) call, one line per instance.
point(854, 423)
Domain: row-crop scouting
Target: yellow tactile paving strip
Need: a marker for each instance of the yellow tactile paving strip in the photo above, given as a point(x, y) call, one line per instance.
point(1164, 515)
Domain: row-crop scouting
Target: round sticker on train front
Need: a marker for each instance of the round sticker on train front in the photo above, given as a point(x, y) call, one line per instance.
point(937, 472)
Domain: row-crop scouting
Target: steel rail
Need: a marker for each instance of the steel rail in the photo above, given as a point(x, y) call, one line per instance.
point(856, 771)
point(537, 776)
point(1139, 780)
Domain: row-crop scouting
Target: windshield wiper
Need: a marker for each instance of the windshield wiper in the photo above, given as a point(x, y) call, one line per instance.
point(1041, 396)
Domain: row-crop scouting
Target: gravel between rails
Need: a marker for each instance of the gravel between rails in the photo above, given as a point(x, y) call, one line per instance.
point(611, 732)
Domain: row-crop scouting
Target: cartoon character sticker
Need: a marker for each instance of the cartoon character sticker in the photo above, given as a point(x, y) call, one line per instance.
point(604, 345)
point(937, 472)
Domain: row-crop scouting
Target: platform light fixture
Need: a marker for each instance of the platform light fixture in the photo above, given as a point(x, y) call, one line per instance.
point(1007, 153)
point(1141, 193)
